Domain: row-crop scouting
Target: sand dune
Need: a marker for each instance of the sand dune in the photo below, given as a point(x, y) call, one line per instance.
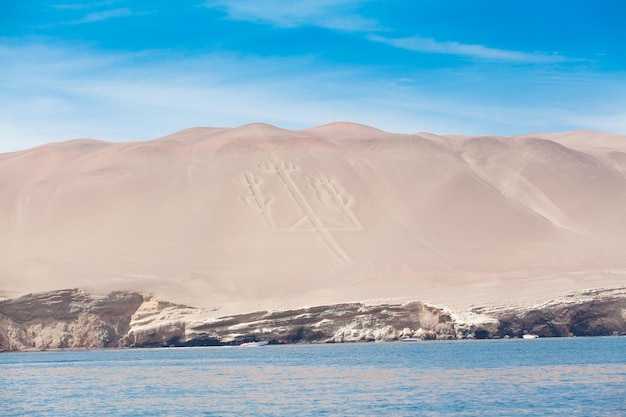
point(262, 217)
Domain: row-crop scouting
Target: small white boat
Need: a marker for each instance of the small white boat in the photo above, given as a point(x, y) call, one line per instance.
point(530, 336)
point(253, 344)
point(411, 339)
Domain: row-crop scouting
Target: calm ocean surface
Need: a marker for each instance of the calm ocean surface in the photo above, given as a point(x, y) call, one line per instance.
point(576, 376)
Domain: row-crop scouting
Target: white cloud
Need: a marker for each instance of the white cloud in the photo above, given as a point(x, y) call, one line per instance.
point(330, 14)
point(92, 17)
point(427, 45)
point(105, 15)
point(82, 6)
point(52, 94)
point(342, 15)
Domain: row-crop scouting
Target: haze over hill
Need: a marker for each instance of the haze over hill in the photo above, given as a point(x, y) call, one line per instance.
point(262, 217)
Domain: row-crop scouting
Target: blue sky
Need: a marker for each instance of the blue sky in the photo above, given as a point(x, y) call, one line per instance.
point(137, 70)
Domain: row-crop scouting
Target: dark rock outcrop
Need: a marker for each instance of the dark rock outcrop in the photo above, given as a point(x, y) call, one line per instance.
point(585, 313)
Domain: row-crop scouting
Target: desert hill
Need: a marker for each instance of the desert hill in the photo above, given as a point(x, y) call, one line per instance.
point(258, 217)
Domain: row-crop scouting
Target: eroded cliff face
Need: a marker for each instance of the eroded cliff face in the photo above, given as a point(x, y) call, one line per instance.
point(354, 322)
point(77, 319)
point(164, 324)
point(599, 312)
point(66, 319)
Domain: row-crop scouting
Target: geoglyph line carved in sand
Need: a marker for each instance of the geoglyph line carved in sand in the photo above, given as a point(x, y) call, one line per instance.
point(331, 194)
point(256, 199)
point(327, 192)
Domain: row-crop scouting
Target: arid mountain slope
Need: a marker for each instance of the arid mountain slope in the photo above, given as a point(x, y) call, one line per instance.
point(259, 217)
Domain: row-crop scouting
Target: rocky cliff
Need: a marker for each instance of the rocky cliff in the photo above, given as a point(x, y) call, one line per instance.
point(353, 322)
point(66, 319)
point(78, 319)
point(598, 312)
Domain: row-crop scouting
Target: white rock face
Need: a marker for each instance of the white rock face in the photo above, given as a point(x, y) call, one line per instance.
point(157, 322)
point(66, 319)
point(77, 319)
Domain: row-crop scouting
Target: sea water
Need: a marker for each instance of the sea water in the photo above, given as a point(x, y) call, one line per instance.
point(568, 377)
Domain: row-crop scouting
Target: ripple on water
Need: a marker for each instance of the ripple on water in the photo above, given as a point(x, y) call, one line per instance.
point(486, 378)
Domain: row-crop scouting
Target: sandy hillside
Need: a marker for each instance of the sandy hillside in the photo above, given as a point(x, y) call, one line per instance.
point(262, 217)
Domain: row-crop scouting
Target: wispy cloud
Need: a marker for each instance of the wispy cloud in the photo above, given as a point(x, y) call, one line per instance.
point(330, 14)
point(104, 15)
point(343, 15)
point(94, 16)
point(480, 52)
point(57, 93)
point(49, 94)
point(82, 5)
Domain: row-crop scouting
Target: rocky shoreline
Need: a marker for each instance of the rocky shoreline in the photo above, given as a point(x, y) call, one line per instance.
point(75, 319)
